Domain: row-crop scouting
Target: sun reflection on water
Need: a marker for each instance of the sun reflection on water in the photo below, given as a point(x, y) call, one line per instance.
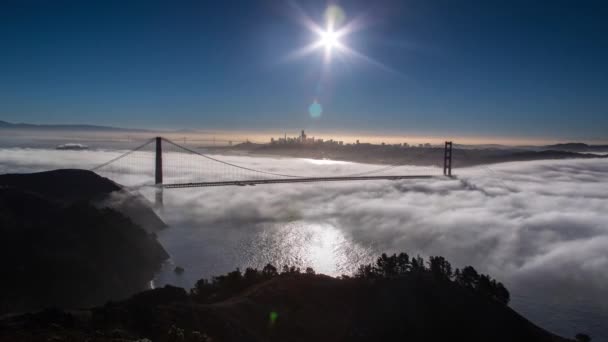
point(303, 244)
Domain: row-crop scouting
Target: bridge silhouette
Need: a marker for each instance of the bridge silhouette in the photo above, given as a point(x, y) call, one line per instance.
point(178, 166)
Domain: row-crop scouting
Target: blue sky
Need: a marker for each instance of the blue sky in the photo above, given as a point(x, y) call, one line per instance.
point(486, 68)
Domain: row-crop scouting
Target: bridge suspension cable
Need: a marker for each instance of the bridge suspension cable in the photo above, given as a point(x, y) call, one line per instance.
point(371, 172)
point(227, 163)
point(122, 155)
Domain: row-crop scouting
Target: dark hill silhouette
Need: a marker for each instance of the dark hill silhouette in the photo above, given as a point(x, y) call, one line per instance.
point(395, 155)
point(67, 248)
point(533, 155)
point(64, 127)
point(578, 147)
point(69, 186)
point(568, 146)
point(392, 300)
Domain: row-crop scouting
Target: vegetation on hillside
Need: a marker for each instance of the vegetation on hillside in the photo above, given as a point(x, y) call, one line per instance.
point(396, 298)
point(386, 267)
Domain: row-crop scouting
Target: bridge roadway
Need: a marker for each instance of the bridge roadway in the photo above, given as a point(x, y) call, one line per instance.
point(295, 180)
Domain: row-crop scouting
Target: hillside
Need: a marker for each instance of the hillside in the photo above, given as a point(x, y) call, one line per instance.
point(578, 147)
point(65, 247)
point(63, 127)
point(397, 155)
point(291, 306)
point(68, 186)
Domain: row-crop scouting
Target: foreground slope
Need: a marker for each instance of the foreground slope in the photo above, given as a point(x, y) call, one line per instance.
point(292, 307)
point(64, 247)
point(67, 186)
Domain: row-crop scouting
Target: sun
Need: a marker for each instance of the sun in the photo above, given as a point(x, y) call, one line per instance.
point(333, 37)
point(329, 39)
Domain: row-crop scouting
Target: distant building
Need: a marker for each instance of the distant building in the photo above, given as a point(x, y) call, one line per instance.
point(304, 139)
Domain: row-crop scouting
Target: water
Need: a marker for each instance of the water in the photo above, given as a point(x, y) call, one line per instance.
point(206, 252)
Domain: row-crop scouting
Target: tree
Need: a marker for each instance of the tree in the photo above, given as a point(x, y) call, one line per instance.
point(403, 264)
point(417, 265)
point(229, 283)
point(290, 270)
point(468, 277)
point(387, 266)
point(366, 272)
point(251, 275)
point(269, 271)
point(502, 294)
point(202, 289)
point(484, 285)
point(440, 268)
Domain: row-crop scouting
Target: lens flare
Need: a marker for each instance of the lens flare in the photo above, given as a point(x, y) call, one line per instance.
point(273, 317)
point(315, 110)
point(334, 16)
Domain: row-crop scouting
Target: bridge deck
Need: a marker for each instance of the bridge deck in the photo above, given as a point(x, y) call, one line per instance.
point(295, 180)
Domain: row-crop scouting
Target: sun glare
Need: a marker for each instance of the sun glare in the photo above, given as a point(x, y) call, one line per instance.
point(333, 38)
point(329, 39)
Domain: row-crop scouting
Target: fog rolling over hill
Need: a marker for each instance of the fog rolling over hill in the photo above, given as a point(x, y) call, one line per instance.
point(74, 239)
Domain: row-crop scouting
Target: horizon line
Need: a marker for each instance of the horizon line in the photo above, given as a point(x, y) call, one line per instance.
point(346, 135)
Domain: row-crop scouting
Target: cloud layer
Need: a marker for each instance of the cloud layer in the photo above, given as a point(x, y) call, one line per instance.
point(541, 227)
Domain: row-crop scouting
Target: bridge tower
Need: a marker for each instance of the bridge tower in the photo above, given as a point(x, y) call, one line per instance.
point(158, 172)
point(447, 159)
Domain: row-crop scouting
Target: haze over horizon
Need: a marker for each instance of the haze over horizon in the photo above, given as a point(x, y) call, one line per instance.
point(264, 135)
point(518, 71)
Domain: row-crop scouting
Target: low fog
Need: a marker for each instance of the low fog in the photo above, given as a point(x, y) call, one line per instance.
point(540, 227)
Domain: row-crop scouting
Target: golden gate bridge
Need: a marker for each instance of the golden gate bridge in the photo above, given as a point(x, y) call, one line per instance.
point(178, 166)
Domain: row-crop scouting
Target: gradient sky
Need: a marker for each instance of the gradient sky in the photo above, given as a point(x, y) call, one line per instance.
point(486, 68)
